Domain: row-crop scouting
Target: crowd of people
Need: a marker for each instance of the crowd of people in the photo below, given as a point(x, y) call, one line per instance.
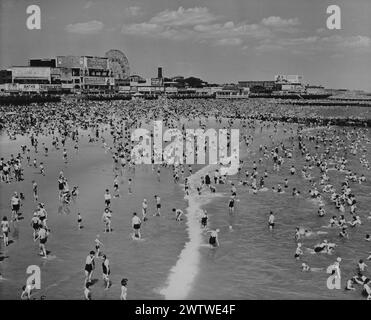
point(109, 124)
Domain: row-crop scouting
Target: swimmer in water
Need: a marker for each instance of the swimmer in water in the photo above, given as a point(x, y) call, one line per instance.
point(79, 221)
point(298, 252)
point(361, 267)
point(306, 268)
point(231, 204)
point(213, 240)
point(343, 233)
point(297, 234)
point(26, 291)
point(350, 285)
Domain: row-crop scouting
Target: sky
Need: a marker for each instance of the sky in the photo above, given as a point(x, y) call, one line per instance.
point(220, 41)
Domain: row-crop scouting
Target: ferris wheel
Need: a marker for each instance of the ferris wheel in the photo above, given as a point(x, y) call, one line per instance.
point(119, 64)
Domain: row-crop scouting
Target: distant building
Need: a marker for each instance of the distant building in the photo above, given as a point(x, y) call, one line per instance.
point(177, 78)
point(5, 76)
point(136, 79)
point(259, 86)
point(159, 72)
point(315, 89)
point(31, 75)
point(88, 73)
point(157, 82)
point(51, 63)
point(291, 79)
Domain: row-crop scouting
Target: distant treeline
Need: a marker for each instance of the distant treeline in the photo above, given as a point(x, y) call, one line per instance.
point(27, 99)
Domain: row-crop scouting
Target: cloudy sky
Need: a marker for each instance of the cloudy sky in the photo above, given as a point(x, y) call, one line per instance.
point(217, 40)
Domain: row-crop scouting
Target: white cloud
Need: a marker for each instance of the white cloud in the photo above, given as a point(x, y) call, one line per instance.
point(335, 46)
point(349, 42)
point(133, 11)
point(143, 28)
point(229, 42)
point(229, 29)
point(278, 22)
point(88, 4)
point(268, 47)
point(321, 30)
point(89, 27)
point(183, 17)
point(199, 24)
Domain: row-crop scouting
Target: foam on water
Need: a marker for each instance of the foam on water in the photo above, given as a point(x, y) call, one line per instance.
point(184, 272)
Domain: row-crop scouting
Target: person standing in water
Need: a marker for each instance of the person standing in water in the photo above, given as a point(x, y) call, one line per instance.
point(144, 210)
point(271, 221)
point(106, 272)
point(42, 235)
point(204, 219)
point(298, 252)
point(124, 289)
point(15, 202)
point(89, 267)
point(116, 187)
point(107, 198)
point(34, 189)
point(231, 205)
point(106, 218)
point(5, 230)
point(136, 223)
point(87, 291)
point(178, 214)
point(98, 243)
point(213, 239)
point(158, 205)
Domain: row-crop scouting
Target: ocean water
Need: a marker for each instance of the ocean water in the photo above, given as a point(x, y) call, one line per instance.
point(173, 261)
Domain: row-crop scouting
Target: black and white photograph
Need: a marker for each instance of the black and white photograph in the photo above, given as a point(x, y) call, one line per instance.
point(185, 150)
